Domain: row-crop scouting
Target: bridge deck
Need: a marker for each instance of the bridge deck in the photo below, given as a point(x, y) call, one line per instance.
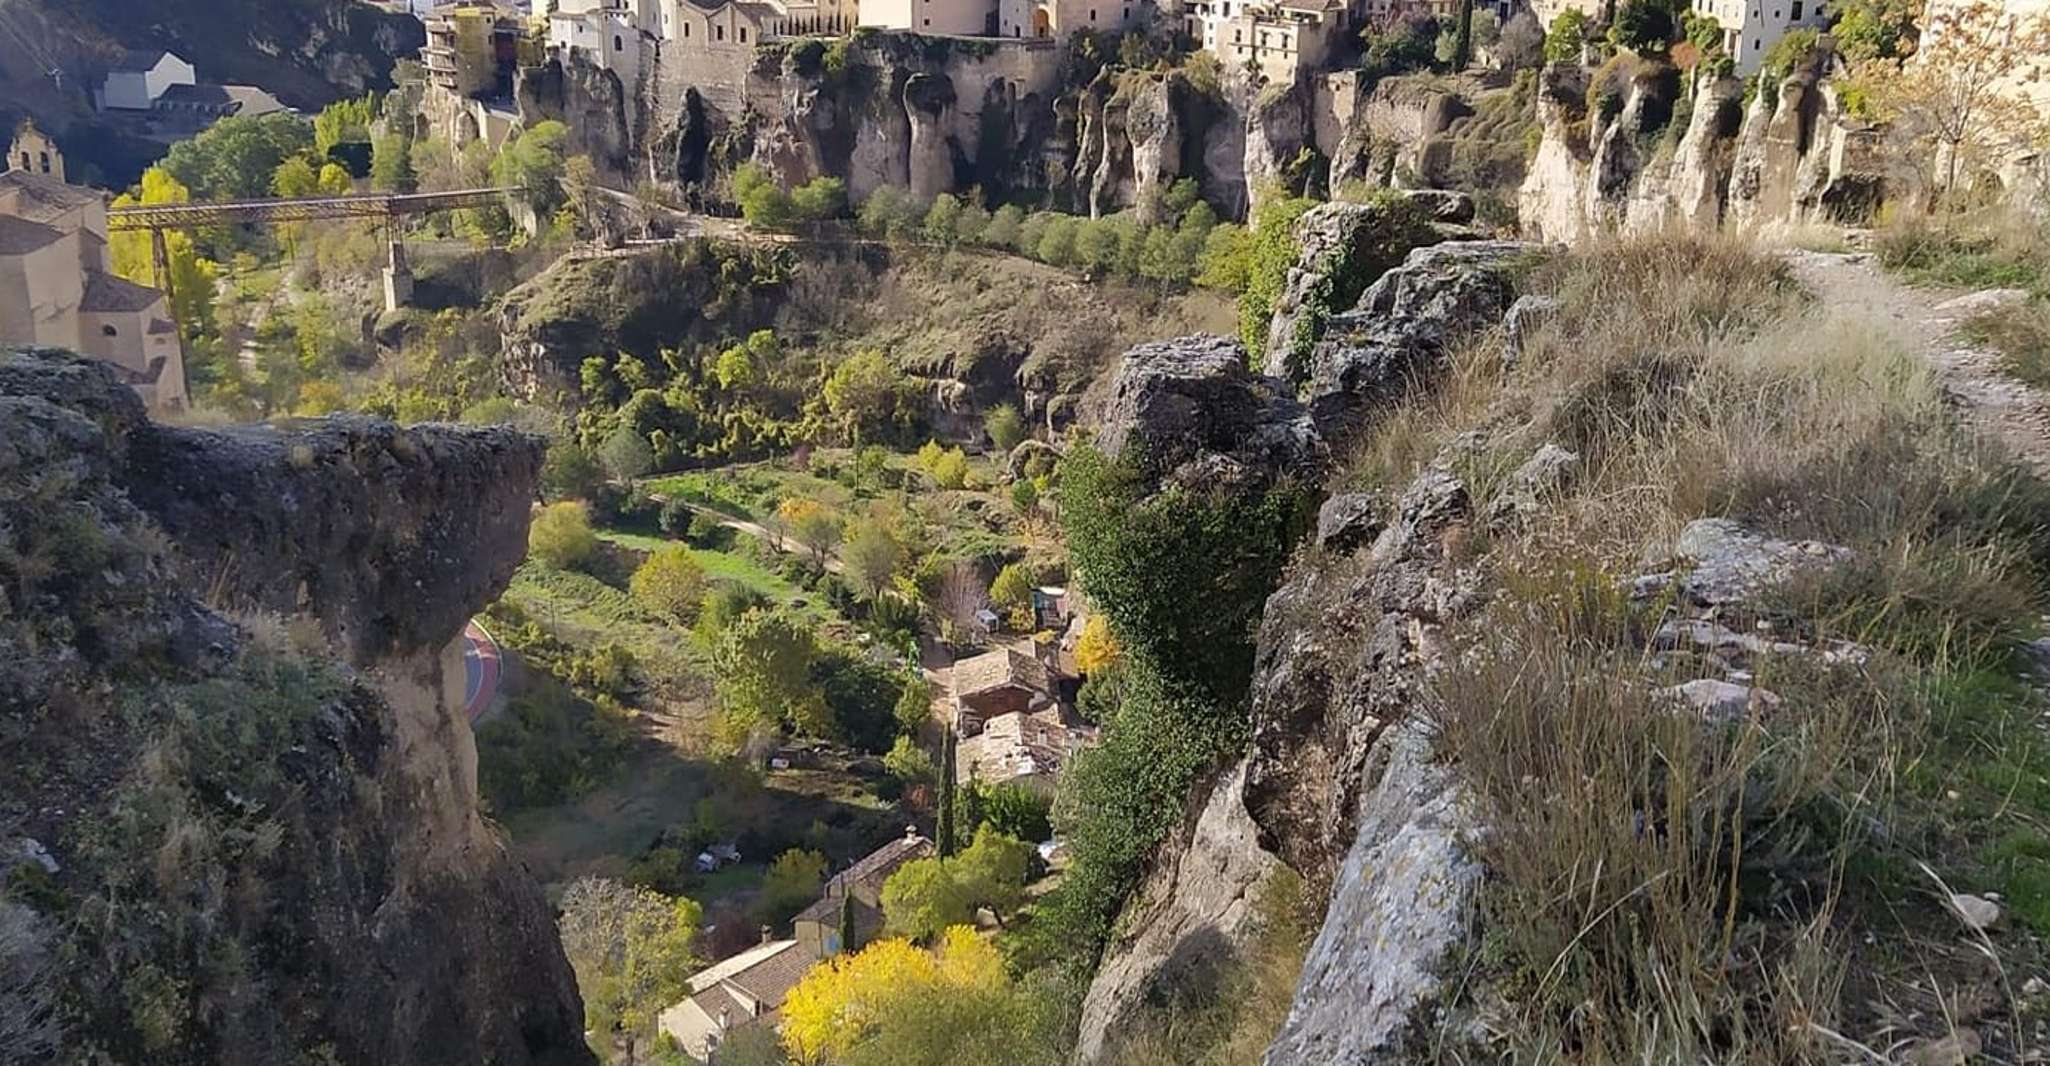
point(299, 209)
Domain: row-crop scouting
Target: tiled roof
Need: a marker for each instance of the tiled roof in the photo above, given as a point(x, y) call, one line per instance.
point(773, 978)
point(996, 669)
point(141, 60)
point(877, 866)
point(1017, 745)
point(108, 294)
point(41, 198)
point(754, 956)
point(245, 100)
point(19, 236)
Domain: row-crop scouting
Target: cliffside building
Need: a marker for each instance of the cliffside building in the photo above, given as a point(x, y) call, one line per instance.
point(1752, 27)
point(141, 76)
point(56, 289)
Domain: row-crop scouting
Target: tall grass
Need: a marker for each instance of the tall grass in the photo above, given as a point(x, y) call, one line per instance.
point(1666, 890)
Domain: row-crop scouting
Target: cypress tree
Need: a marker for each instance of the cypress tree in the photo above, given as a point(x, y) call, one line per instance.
point(847, 943)
point(944, 828)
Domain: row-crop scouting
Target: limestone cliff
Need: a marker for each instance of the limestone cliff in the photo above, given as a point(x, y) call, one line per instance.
point(240, 816)
point(1649, 156)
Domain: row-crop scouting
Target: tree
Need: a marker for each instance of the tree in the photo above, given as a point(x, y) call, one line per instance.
point(727, 603)
point(1269, 253)
point(343, 122)
point(762, 674)
point(1002, 231)
point(294, 177)
point(1097, 649)
point(950, 469)
point(631, 950)
point(335, 180)
point(819, 199)
point(866, 394)
point(391, 164)
point(762, 202)
point(1015, 811)
point(923, 898)
point(894, 1005)
point(889, 213)
point(910, 763)
point(818, 529)
point(1567, 37)
point(626, 454)
point(1012, 589)
point(790, 884)
point(991, 871)
point(1644, 27)
point(942, 218)
point(670, 583)
point(1462, 48)
point(235, 158)
point(1522, 43)
point(1399, 43)
point(193, 277)
point(1024, 496)
point(914, 706)
point(872, 556)
point(960, 598)
point(1874, 29)
point(1966, 95)
point(1006, 428)
point(943, 824)
point(569, 472)
point(850, 936)
point(532, 165)
point(561, 535)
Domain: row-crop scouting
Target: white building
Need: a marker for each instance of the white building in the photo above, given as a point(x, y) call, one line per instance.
point(1058, 18)
point(966, 18)
point(1280, 40)
point(1752, 27)
point(135, 83)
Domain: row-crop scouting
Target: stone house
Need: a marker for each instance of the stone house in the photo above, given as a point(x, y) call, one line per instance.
point(140, 77)
point(745, 990)
point(1024, 748)
point(996, 683)
point(56, 289)
point(859, 887)
point(195, 107)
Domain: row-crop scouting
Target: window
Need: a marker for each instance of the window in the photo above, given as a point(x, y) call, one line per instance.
point(686, 29)
point(719, 32)
point(1797, 10)
point(743, 35)
point(928, 22)
point(1235, 38)
point(1092, 14)
point(45, 156)
point(109, 331)
point(618, 45)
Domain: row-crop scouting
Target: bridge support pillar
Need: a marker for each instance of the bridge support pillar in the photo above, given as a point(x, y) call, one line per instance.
point(398, 278)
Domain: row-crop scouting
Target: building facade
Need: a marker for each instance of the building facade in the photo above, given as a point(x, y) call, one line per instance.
point(135, 83)
point(32, 151)
point(1751, 27)
point(56, 289)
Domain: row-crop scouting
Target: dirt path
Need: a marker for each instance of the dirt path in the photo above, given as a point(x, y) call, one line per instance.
point(1926, 320)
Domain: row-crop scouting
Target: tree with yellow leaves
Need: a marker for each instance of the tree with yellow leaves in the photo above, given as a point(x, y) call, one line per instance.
point(1097, 649)
point(894, 1004)
point(1966, 96)
point(193, 277)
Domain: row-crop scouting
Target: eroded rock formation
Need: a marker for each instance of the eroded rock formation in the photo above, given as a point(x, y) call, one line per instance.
point(1702, 159)
point(236, 732)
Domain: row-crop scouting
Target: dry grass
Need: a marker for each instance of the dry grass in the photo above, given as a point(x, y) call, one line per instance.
point(1667, 891)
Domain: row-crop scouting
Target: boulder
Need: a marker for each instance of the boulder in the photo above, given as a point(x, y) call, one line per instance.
point(1349, 520)
point(1977, 911)
point(1403, 327)
point(1546, 473)
point(1402, 904)
point(1983, 302)
point(1725, 563)
point(1525, 315)
point(1191, 406)
point(1719, 702)
point(1443, 205)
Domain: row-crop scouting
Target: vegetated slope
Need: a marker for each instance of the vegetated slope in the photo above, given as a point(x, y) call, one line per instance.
point(254, 837)
point(1655, 688)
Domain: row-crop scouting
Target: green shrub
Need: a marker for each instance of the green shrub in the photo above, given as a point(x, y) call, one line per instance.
point(670, 583)
point(561, 535)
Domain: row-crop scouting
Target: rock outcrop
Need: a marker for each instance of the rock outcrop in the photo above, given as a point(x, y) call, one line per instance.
point(1402, 328)
point(1795, 155)
point(242, 747)
point(1191, 918)
point(1189, 410)
point(1344, 247)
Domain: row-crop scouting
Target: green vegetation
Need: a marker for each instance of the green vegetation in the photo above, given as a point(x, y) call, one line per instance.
point(1984, 250)
point(561, 535)
point(1566, 37)
point(671, 582)
point(631, 950)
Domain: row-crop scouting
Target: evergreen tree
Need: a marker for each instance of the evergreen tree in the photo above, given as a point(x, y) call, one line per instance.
point(847, 937)
point(945, 822)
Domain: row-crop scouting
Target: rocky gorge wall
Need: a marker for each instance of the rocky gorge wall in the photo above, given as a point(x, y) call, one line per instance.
point(240, 821)
point(1702, 159)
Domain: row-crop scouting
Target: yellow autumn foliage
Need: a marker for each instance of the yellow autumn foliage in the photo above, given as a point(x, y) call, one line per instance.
point(846, 998)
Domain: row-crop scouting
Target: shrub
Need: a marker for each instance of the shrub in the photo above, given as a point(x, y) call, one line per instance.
point(1567, 37)
point(676, 517)
point(670, 583)
point(568, 472)
point(561, 535)
point(1006, 428)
